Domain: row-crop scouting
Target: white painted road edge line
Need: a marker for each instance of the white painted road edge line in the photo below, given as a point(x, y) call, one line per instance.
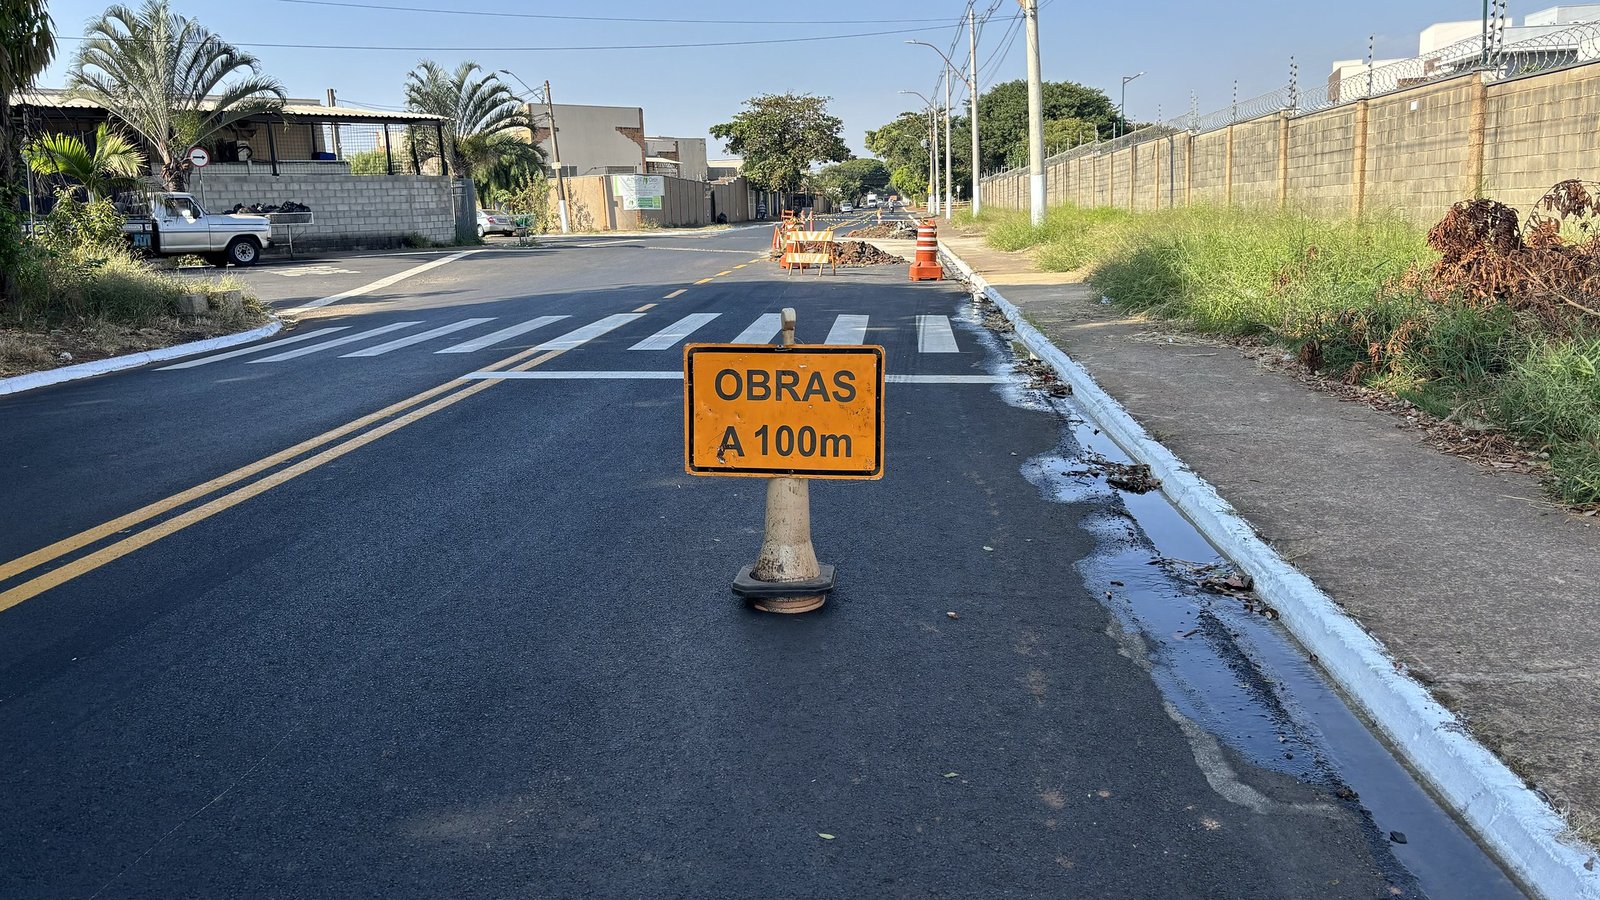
point(19, 383)
point(1518, 827)
point(382, 283)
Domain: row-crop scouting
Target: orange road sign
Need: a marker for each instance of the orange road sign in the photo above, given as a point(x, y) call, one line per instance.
point(802, 411)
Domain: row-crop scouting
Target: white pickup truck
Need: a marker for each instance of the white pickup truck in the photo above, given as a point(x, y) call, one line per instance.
point(173, 224)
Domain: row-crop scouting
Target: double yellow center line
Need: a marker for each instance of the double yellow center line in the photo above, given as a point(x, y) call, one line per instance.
point(393, 418)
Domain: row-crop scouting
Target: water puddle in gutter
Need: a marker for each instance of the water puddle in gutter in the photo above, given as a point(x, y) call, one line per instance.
point(1225, 666)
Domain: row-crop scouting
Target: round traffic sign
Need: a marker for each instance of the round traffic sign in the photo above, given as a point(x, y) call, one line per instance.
point(199, 158)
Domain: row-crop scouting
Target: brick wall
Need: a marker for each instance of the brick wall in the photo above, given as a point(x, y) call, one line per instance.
point(1417, 150)
point(1322, 160)
point(352, 212)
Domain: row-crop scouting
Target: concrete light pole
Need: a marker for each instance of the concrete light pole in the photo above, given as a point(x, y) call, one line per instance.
point(933, 154)
point(555, 147)
point(1036, 191)
point(972, 101)
point(949, 176)
point(1122, 106)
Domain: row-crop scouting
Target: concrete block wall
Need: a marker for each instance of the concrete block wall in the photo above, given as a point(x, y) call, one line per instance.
point(1255, 162)
point(1411, 153)
point(1417, 150)
point(351, 212)
point(1322, 161)
point(1528, 149)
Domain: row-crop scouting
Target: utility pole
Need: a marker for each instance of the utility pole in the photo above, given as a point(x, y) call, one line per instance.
point(933, 128)
point(555, 150)
point(1036, 192)
point(949, 188)
point(334, 128)
point(972, 98)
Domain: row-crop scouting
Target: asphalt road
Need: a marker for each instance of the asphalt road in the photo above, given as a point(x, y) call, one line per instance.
point(322, 617)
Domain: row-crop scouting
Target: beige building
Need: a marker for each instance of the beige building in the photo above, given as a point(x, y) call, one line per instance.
point(595, 140)
point(679, 157)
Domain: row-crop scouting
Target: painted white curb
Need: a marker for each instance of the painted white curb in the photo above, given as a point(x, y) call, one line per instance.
point(1518, 827)
point(32, 380)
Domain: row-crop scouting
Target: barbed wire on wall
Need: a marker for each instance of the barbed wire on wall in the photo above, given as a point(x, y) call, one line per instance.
point(1495, 58)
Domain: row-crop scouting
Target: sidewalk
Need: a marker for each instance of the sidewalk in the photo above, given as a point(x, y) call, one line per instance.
point(1488, 594)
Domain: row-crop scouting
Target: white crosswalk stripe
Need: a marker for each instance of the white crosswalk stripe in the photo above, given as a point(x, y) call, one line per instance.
point(336, 342)
point(935, 336)
point(589, 332)
point(848, 330)
point(667, 337)
point(762, 330)
point(418, 338)
point(504, 334)
point(234, 354)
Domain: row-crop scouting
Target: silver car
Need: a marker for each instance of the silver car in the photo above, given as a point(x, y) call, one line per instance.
point(492, 221)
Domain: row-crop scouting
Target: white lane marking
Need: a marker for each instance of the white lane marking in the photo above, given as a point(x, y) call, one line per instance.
point(418, 338)
point(934, 335)
point(336, 342)
point(589, 332)
point(848, 330)
point(948, 379)
point(382, 283)
point(677, 331)
point(674, 293)
point(257, 349)
point(311, 270)
point(696, 250)
point(504, 334)
point(646, 375)
point(761, 331)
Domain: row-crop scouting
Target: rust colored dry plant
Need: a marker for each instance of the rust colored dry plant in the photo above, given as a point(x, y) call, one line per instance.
point(1549, 267)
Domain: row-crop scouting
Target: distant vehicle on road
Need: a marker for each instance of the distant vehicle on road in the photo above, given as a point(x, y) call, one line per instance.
point(846, 207)
point(872, 201)
point(175, 224)
point(493, 221)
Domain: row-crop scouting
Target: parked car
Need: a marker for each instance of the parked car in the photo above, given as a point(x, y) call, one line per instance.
point(846, 207)
point(493, 221)
point(174, 224)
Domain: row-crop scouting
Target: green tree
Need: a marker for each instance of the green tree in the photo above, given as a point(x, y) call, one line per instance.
point(113, 163)
point(781, 136)
point(849, 180)
point(489, 127)
point(167, 77)
point(1003, 115)
point(27, 44)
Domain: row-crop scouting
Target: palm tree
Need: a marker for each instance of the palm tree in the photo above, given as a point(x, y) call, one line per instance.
point(486, 122)
point(111, 164)
point(163, 74)
point(27, 45)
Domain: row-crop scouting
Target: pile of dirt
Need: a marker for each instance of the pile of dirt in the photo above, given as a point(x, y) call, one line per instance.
point(886, 230)
point(860, 253)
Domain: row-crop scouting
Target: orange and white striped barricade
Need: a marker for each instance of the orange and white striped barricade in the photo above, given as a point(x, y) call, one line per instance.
point(809, 248)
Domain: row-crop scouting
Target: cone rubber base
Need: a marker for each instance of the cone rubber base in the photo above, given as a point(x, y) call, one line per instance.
point(785, 596)
point(921, 271)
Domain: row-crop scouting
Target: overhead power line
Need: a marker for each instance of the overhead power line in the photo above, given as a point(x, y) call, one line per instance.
point(383, 7)
point(590, 47)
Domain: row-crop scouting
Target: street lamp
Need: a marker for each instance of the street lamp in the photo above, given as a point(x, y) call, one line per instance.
point(555, 146)
point(972, 97)
point(933, 156)
point(1122, 108)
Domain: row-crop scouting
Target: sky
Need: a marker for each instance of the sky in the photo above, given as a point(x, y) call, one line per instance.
point(1179, 45)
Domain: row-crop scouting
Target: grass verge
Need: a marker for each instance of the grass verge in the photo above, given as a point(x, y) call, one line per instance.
point(1353, 299)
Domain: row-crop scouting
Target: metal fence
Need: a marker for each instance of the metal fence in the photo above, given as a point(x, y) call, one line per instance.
point(1496, 58)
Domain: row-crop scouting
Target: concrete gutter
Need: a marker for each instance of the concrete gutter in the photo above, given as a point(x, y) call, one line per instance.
point(28, 382)
point(1511, 821)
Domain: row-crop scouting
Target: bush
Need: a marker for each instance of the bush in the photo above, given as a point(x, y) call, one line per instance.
point(78, 268)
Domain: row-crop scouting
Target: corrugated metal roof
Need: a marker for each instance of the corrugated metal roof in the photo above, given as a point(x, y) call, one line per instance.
point(55, 98)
